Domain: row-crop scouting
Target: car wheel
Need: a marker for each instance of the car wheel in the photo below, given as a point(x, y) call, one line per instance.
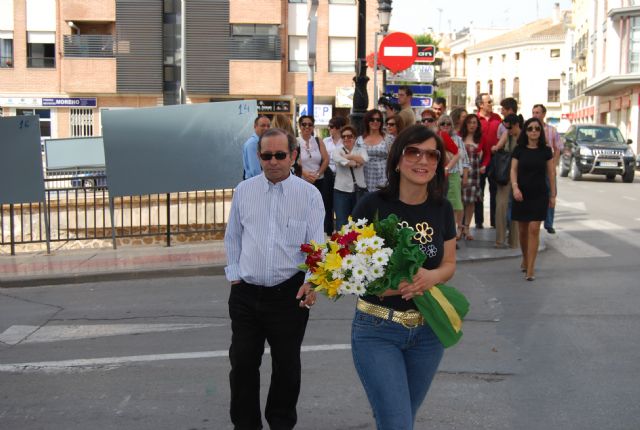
point(564, 170)
point(628, 176)
point(574, 171)
point(611, 177)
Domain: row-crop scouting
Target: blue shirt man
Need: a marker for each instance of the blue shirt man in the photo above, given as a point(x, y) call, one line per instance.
point(250, 160)
point(271, 215)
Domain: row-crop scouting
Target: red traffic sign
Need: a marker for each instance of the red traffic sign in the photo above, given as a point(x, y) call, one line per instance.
point(397, 52)
point(426, 54)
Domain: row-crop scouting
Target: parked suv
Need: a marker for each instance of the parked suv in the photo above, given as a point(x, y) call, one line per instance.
point(599, 150)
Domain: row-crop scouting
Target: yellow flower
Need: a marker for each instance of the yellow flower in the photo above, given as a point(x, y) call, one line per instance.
point(332, 287)
point(319, 276)
point(367, 231)
point(332, 262)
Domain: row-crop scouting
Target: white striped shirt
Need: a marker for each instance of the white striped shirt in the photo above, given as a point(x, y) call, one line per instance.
point(267, 224)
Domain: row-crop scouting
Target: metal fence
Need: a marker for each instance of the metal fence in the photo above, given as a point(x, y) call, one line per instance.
point(79, 209)
point(88, 45)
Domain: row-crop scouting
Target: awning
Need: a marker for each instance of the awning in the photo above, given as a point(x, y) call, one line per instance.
point(611, 85)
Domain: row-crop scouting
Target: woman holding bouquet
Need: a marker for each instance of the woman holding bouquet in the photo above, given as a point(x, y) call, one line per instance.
point(395, 353)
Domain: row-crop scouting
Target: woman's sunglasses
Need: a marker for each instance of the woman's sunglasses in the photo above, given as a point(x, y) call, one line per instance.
point(533, 128)
point(413, 154)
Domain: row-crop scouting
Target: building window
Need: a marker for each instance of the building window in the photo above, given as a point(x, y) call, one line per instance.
point(45, 119)
point(553, 90)
point(503, 88)
point(297, 1)
point(255, 42)
point(342, 54)
point(517, 56)
point(477, 88)
point(298, 53)
point(554, 53)
point(477, 62)
point(490, 60)
point(634, 46)
point(81, 121)
point(504, 57)
point(6, 51)
point(41, 49)
point(490, 85)
point(341, 2)
point(516, 88)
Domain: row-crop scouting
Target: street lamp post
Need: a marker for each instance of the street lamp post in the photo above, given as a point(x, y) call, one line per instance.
point(360, 96)
point(384, 16)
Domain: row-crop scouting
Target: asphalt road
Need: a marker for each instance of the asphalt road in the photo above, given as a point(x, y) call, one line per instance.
point(559, 352)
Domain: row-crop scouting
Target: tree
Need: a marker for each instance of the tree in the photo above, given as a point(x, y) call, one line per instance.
point(426, 39)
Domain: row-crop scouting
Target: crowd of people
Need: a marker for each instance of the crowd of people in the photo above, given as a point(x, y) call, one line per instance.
point(431, 172)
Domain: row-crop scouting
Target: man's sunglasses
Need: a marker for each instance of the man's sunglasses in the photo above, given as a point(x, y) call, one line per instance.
point(428, 120)
point(306, 124)
point(266, 156)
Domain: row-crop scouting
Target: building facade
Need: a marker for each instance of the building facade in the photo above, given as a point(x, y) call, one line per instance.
point(526, 63)
point(67, 60)
point(604, 78)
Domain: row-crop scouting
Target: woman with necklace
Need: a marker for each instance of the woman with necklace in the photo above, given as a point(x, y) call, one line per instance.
point(313, 160)
point(396, 363)
point(531, 164)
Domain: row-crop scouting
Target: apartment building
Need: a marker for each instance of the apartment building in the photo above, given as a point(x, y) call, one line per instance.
point(68, 60)
point(452, 79)
point(526, 63)
point(604, 78)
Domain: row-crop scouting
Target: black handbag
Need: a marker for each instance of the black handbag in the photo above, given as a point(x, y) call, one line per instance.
point(360, 191)
point(501, 165)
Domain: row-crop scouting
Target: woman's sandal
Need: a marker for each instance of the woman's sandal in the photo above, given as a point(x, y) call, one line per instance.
point(460, 232)
point(466, 233)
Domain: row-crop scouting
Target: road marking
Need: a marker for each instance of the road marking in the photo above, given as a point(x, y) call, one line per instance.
point(621, 233)
point(572, 247)
point(579, 206)
point(88, 364)
point(633, 199)
point(55, 333)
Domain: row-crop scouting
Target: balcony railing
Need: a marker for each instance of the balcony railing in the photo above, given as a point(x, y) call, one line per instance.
point(88, 46)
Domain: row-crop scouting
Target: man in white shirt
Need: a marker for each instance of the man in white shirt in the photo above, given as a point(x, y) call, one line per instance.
point(271, 215)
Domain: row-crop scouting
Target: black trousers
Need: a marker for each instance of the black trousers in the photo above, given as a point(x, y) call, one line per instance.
point(272, 314)
point(325, 186)
point(479, 208)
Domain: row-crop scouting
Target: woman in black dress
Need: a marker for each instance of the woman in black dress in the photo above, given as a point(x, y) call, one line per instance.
point(531, 164)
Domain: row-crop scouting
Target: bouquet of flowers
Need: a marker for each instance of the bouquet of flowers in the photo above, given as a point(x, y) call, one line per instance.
point(370, 258)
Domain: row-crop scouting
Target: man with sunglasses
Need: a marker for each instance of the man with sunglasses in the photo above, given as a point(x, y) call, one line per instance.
point(271, 215)
point(250, 162)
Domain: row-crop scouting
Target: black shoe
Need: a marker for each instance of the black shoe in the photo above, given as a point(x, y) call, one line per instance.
point(551, 230)
point(479, 226)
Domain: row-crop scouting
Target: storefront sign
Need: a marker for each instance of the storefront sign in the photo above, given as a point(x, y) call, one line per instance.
point(321, 113)
point(70, 102)
point(274, 106)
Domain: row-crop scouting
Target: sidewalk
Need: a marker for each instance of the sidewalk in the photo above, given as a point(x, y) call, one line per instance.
point(209, 258)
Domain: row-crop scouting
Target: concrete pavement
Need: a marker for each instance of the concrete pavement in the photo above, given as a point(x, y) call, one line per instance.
point(207, 258)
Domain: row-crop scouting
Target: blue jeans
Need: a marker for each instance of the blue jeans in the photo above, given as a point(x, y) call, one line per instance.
point(396, 366)
point(343, 204)
point(551, 212)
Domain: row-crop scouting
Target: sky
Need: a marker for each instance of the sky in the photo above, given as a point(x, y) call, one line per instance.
point(444, 16)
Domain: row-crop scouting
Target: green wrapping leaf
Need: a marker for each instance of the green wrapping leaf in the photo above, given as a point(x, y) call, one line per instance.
point(405, 261)
point(437, 318)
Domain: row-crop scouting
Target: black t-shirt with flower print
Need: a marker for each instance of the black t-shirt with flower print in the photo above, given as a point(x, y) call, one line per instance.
point(432, 221)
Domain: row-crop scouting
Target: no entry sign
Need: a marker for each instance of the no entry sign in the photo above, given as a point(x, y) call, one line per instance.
point(398, 51)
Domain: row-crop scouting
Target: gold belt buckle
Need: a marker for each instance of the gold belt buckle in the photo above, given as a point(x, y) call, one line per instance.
point(415, 316)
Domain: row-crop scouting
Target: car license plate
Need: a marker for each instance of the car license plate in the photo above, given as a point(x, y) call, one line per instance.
point(608, 164)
